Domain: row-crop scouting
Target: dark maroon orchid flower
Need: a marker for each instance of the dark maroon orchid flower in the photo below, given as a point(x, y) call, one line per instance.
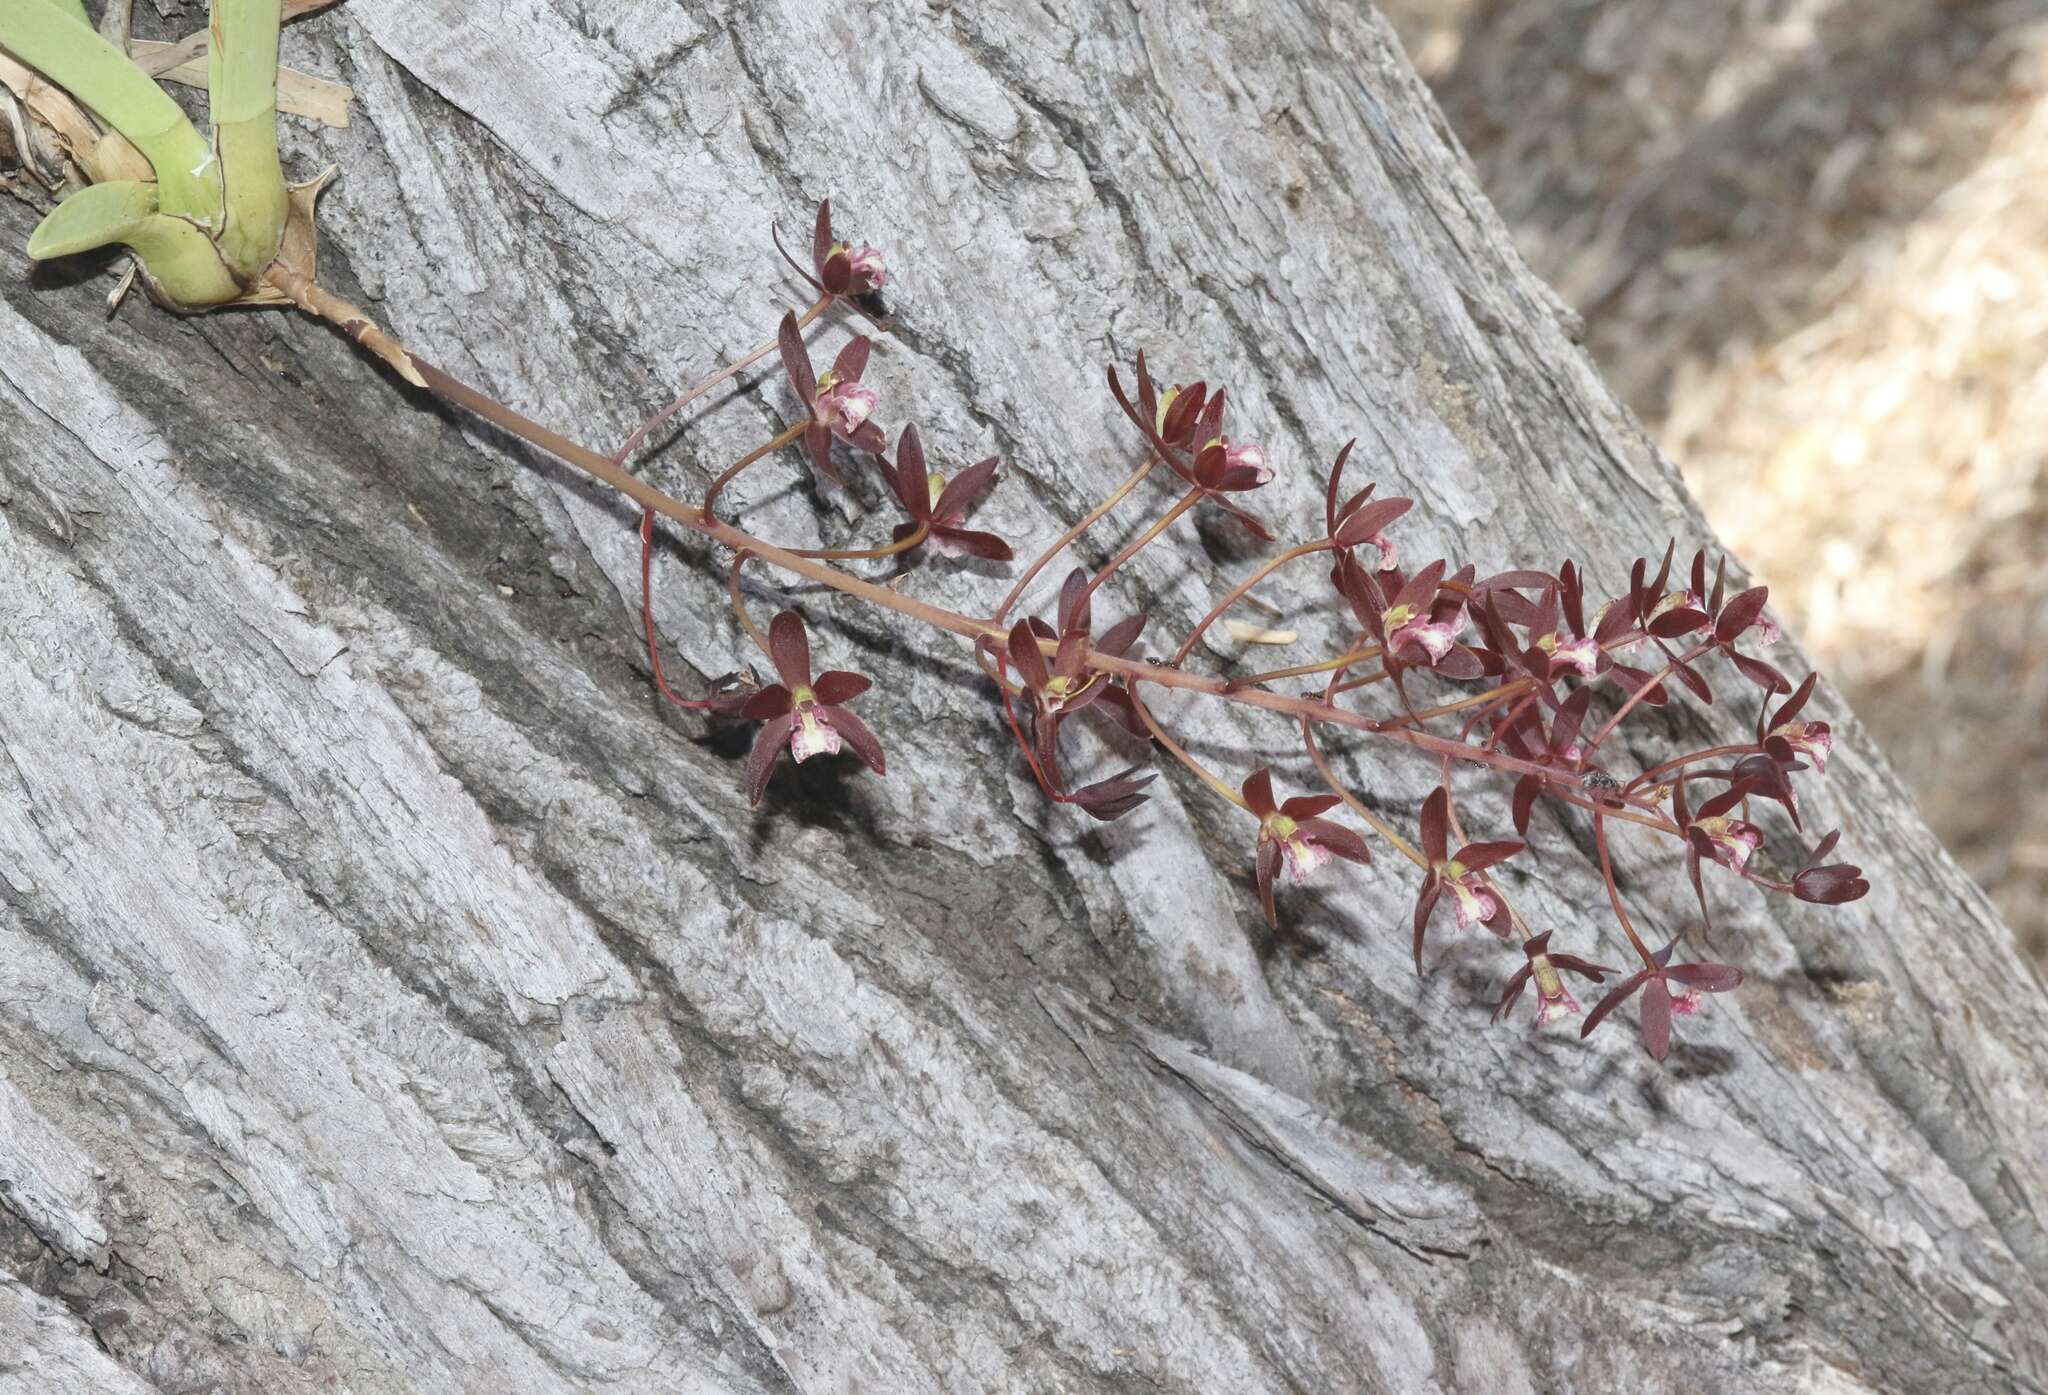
point(1675, 614)
point(1192, 419)
point(1109, 800)
point(804, 714)
point(1065, 686)
point(1360, 519)
point(1062, 686)
point(1553, 999)
point(1660, 1004)
point(1176, 412)
point(1416, 622)
point(1786, 739)
point(1711, 835)
point(838, 269)
point(1297, 834)
point(1525, 739)
point(1461, 876)
point(840, 404)
point(1832, 884)
point(1554, 646)
point(940, 506)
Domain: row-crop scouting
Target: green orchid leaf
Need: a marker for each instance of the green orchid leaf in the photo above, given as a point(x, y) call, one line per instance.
point(74, 8)
point(50, 38)
point(93, 217)
point(181, 262)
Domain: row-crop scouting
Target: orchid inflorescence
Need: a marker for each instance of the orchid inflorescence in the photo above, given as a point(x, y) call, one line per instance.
point(1532, 638)
point(1528, 636)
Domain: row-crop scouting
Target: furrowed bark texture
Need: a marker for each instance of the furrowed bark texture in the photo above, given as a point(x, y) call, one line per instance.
point(394, 998)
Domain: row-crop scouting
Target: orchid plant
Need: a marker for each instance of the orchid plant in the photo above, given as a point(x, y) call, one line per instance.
point(1529, 684)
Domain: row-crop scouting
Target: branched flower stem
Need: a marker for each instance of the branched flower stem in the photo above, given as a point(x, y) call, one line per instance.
point(1095, 515)
point(1238, 593)
point(758, 453)
point(938, 617)
point(1179, 752)
point(731, 370)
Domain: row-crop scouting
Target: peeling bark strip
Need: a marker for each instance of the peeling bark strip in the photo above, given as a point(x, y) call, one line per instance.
point(392, 998)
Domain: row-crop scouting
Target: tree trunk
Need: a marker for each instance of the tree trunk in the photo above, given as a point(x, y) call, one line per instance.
point(394, 997)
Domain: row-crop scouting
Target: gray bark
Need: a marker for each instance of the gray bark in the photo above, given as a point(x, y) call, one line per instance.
point(393, 997)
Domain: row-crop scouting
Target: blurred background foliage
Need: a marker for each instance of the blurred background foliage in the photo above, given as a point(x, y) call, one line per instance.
point(1810, 242)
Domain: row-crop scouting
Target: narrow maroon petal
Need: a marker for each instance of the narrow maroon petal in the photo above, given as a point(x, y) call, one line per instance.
point(1571, 718)
point(1210, 426)
point(1180, 417)
point(1333, 485)
point(852, 360)
point(1421, 588)
point(1436, 815)
point(1674, 623)
point(1794, 705)
point(1118, 638)
point(1024, 653)
point(1432, 888)
point(796, 360)
point(1068, 659)
point(1236, 480)
point(1740, 613)
point(1075, 607)
point(1511, 992)
point(1268, 864)
point(1148, 396)
point(1526, 790)
point(965, 488)
point(1708, 978)
point(1309, 806)
point(1519, 579)
point(1613, 1000)
point(1760, 673)
point(912, 477)
point(1690, 676)
point(1697, 846)
point(1727, 799)
point(1258, 792)
point(1633, 679)
point(837, 274)
point(979, 544)
point(870, 437)
point(818, 442)
point(1656, 1018)
point(1574, 592)
point(1369, 519)
point(1460, 663)
point(1117, 700)
point(821, 233)
point(857, 736)
point(790, 647)
point(1616, 622)
point(1583, 968)
point(1477, 857)
point(1338, 839)
point(771, 701)
point(768, 745)
point(837, 686)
